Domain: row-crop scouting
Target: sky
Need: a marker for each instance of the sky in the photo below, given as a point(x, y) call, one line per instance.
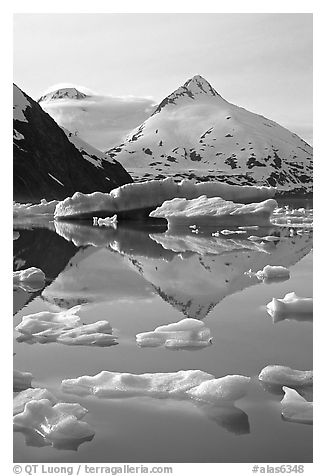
point(259, 61)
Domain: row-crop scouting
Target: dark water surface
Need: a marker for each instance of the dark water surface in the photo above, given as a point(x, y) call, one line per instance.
point(139, 280)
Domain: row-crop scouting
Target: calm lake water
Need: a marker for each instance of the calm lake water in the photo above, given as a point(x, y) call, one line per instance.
point(138, 280)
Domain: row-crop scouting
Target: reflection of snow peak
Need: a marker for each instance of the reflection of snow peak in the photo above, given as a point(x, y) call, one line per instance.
point(150, 194)
point(214, 211)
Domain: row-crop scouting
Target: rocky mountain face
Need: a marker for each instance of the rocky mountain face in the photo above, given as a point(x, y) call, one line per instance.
point(195, 133)
point(62, 93)
point(51, 163)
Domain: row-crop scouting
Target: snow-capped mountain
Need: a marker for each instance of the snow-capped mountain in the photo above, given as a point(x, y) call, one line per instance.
point(62, 93)
point(52, 163)
point(101, 120)
point(195, 133)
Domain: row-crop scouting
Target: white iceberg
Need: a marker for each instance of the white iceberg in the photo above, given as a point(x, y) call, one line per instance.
point(187, 333)
point(30, 394)
point(296, 408)
point(54, 423)
point(181, 212)
point(151, 194)
point(281, 375)
point(28, 209)
point(290, 305)
point(273, 273)
point(65, 328)
point(49, 323)
point(16, 235)
point(33, 275)
point(184, 384)
point(21, 380)
point(225, 389)
point(108, 221)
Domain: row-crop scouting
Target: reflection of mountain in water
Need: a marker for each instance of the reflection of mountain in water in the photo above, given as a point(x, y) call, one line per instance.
point(191, 282)
point(43, 249)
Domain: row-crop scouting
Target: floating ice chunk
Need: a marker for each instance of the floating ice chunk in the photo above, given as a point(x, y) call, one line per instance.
point(270, 238)
point(295, 408)
point(273, 273)
point(22, 380)
point(249, 227)
point(150, 194)
point(193, 384)
point(108, 221)
point(224, 389)
point(280, 375)
point(22, 398)
point(54, 423)
point(28, 209)
point(290, 305)
point(187, 333)
point(114, 384)
point(181, 212)
point(65, 327)
point(49, 323)
point(16, 235)
point(254, 238)
point(30, 274)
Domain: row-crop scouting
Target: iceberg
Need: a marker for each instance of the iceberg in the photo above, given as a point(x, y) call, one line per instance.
point(185, 334)
point(16, 235)
point(225, 389)
point(146, 196)
point(57, 423)
point(108, 221)
point(273, 273)
point(285, 376)
point(184, 384)
point(65, 328)
point(181, 213)
point(28, 209)
point(291, 305)
point(295, 408)
point(30, 394)
point(21, 380)
point(32, 275)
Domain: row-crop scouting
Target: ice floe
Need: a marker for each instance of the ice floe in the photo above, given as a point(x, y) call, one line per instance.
point(22, 380)
point(181, 212)
point(64, 327)
point(30, 274)
point(151, 194)
point(108, 221)
point(185, 334)
point(29, 279)
point(59, 425)
point(29, 209)
point(16, 235)
point(296, 408)
point(184, 384)
point(273, 273)
point(30, 394)
point(291, 307)
point(285, 376)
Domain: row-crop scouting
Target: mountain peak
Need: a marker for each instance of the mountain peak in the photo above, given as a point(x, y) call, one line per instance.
point(62, 93)
point(198, 85)
point(193, 88)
